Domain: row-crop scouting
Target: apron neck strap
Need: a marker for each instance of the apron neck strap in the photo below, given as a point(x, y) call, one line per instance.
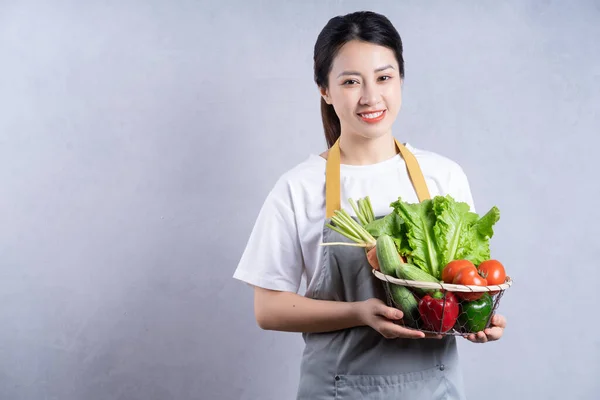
point(332, 177)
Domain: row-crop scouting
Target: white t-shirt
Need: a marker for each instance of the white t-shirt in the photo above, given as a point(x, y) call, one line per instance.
point(284, 244)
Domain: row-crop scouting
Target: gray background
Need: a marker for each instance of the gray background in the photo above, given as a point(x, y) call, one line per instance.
point(138, 141)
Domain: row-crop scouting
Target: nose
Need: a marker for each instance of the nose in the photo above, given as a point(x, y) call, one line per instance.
point(370, 95)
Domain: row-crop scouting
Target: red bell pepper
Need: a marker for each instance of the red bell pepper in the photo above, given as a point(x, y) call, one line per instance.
point(439, 311)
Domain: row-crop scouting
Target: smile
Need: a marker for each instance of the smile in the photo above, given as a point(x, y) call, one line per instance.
point(374, 116)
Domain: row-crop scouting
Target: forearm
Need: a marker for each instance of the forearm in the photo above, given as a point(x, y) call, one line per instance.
point(290, 312)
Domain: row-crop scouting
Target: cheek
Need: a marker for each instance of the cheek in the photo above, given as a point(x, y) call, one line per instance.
point(345, 103)
point(394, 97)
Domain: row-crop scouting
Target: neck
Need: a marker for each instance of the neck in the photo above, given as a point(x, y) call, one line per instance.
point(356, 150)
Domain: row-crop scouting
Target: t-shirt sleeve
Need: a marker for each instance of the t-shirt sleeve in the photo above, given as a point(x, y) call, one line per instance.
point(272, 258)
point(460, 188)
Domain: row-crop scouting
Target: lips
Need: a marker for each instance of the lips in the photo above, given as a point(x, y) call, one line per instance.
point(372, 116)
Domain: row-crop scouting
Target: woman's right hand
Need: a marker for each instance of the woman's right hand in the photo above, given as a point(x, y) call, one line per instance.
point(376, 314)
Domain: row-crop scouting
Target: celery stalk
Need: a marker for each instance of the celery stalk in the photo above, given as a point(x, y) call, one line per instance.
point(357, 211)
point(345, 233)
point(370, 206)
point(343, 220)
point(366, 236)
point(365, 211)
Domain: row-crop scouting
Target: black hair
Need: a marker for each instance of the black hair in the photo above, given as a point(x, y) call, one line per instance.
point(365, 26)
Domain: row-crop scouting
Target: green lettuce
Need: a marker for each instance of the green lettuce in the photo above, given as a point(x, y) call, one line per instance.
point(390, 225)
point(453, 229)
point(483, 231)
point(437, 231)
point(419, 221)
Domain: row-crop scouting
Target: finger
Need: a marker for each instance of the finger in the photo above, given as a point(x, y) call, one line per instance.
point(433, 336)
point(482, 337)
point(499, 321)
point(391, 330)
point(494, 333)
point(411, 334)
point(476, 337)
point(390, 312)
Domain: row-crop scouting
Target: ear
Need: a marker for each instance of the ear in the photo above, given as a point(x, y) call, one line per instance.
point(325, 94)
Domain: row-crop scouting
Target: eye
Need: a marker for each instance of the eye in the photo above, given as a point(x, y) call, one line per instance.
point(350, 82)
point(385, 78)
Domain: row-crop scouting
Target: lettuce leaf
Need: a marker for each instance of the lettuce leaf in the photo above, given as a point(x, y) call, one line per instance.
point(390, 225)
point(482, 231)
point(453, 229)
point(435, 232)
point(419, 221)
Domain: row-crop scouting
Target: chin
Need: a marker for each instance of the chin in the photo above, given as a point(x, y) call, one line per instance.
point(374, 132)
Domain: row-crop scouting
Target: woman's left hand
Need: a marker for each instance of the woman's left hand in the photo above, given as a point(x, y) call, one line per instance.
point(494, 332)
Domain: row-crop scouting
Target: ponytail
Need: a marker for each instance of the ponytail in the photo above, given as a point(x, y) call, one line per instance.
point(331, 123)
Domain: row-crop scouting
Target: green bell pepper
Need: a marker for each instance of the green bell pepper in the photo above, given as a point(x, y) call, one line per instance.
point(475, 314)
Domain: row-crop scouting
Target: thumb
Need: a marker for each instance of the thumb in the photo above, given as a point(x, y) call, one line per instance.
point(390, 312)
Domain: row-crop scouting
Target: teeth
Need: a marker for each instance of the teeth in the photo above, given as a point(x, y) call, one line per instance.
point(372, 115)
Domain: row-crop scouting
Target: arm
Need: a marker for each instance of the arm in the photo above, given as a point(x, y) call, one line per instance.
point(279, 266)
point(290, 312)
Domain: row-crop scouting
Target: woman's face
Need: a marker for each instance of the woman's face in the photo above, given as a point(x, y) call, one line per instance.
point(365, 89)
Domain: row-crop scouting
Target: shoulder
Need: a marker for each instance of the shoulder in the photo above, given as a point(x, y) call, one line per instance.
point(436, 164)
point(433, 159)
point(304, 178)
point(447, 174)
point(310, 167)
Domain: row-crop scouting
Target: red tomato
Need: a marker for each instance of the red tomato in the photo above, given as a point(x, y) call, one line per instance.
point(452, 268)
point(493, 272)
point(469, 276)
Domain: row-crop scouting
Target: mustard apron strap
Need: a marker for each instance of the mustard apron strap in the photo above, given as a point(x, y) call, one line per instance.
point(332, 177)
point(414, 172)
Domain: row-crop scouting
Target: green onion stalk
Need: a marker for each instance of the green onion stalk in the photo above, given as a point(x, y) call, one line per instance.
point(350, 228)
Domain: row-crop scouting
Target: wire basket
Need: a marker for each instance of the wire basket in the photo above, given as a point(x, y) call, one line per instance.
point(459, 310)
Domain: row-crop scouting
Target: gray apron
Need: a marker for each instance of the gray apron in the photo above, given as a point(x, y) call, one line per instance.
point(359, 363)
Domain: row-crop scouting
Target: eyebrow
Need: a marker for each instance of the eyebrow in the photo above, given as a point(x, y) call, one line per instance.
point(358, 73)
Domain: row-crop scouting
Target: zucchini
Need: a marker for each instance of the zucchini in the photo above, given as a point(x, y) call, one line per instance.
point(387, 255)
point(413, 273)
point(406, 302)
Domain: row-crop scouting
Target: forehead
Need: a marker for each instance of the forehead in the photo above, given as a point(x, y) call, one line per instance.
point(363, 56)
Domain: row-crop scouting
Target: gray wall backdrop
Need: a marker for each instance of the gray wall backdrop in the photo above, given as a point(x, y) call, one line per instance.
point(138, 140)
